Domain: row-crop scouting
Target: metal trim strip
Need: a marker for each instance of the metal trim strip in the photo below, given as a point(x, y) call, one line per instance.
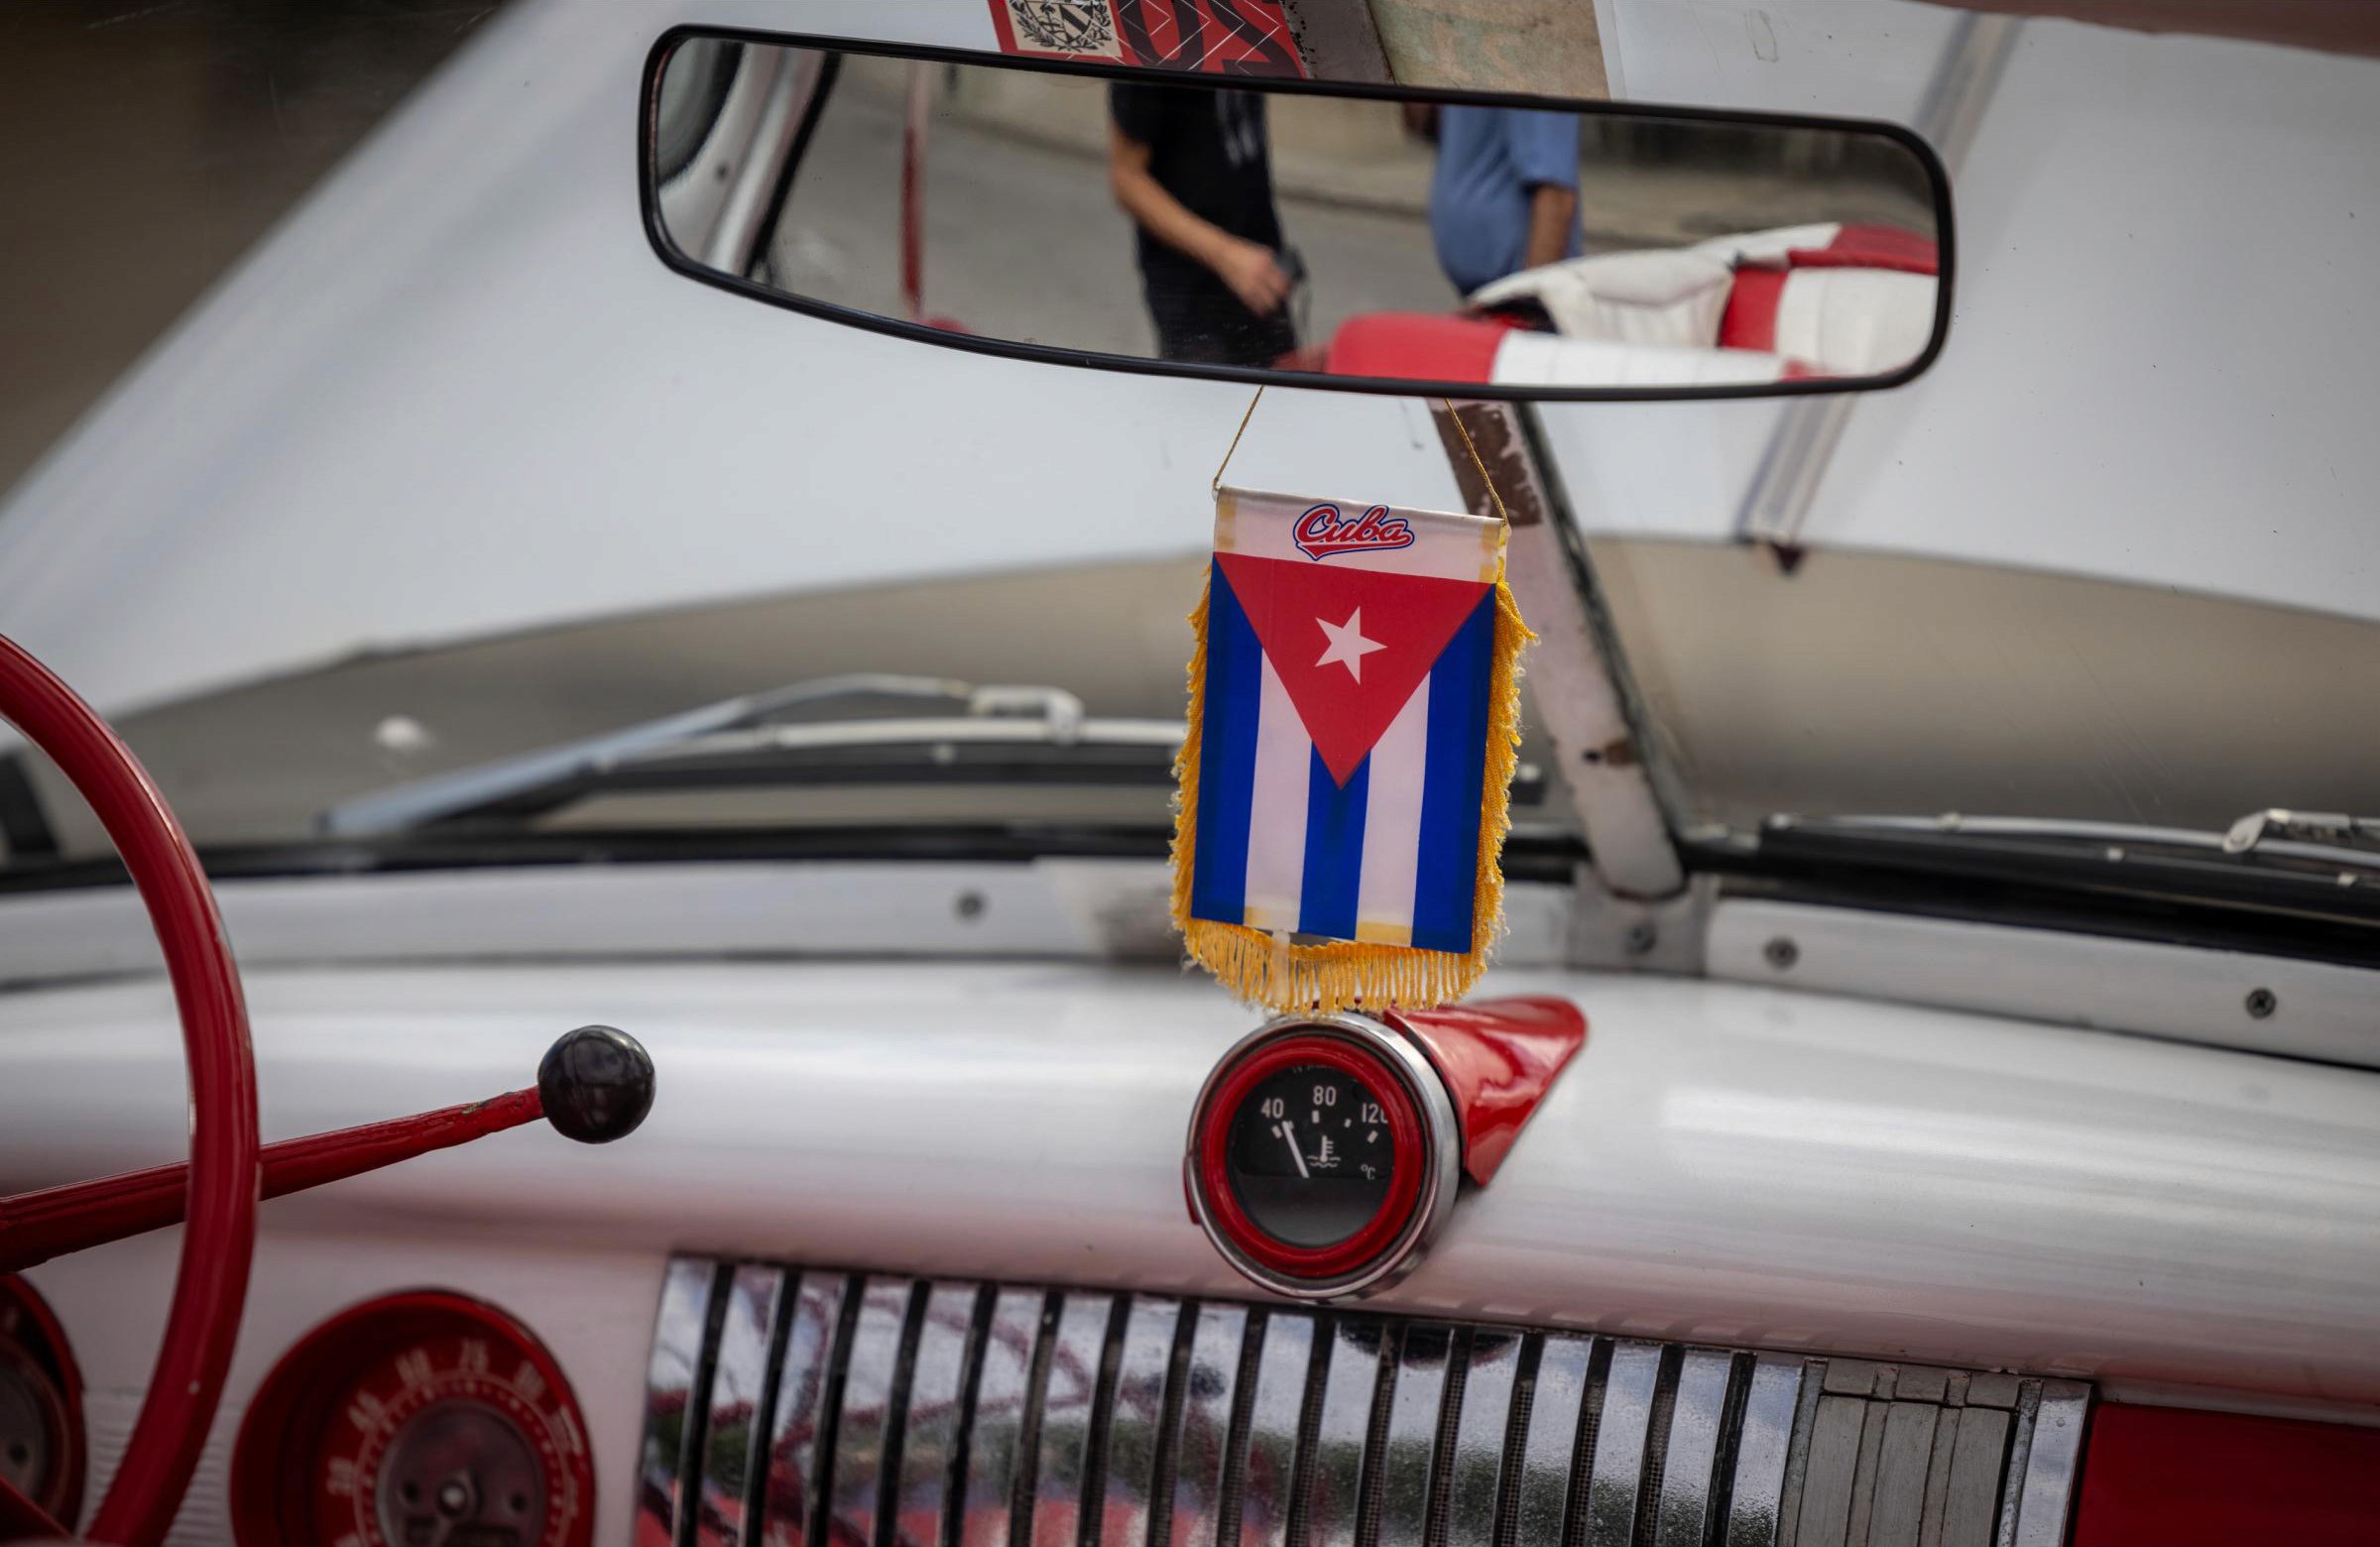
point(1549, 1453)
point(1134, 1433)
point(1621, 1437)
point(1407, 1454)
point(855, 1484)
point(1335, 1489)
point(1070, 1385)
point(732, 1442)
point(1203, 1431)
point(1002, 1392)
point(1476, 1465)
point(804, 1372)
point(1762, 1444)
point(1682, 1512)
point(933, 1412)
point(1271, 1455)
point(681, 1337)
point(2053, 1463)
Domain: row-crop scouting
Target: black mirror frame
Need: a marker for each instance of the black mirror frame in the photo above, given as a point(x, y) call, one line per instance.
point(648, 195)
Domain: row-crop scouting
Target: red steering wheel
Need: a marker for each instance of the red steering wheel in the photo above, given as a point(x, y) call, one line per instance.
point(213, 1282)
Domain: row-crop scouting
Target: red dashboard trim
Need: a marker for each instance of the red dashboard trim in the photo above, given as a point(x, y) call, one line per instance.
point(1499, 1058)
point(2173, 1476)
point(1408, 1154)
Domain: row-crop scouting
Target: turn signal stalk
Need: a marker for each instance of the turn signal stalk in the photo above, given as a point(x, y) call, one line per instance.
point(595, 1084)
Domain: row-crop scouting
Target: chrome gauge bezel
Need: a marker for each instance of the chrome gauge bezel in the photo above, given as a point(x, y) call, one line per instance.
point(1441, 1157)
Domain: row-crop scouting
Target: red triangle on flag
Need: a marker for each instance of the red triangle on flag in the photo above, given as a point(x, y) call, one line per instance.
point(1349, 645)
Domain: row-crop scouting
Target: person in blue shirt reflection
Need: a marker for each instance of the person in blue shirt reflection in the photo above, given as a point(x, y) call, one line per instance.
point(1505, 194)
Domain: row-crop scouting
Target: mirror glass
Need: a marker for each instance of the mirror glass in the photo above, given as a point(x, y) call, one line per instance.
point(1373, 238)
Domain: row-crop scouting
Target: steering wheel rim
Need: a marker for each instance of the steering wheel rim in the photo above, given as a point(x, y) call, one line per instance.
point(211, 1283)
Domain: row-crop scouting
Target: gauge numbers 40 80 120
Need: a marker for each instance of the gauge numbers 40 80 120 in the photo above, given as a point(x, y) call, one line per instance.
point(1310, 1156)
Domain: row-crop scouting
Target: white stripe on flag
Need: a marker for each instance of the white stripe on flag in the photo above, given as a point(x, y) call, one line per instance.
point(1277, 822)
point(1392, 825)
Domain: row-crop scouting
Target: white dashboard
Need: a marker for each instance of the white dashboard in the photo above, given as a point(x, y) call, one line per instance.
point(1721, 1163)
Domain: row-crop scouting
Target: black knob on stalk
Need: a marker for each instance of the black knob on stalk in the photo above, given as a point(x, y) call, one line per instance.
point(596, 1084)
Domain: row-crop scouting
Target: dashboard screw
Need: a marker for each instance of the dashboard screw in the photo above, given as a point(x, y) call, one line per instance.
point(970, 905)
point(1641, 938)
point(1782, 953)
point(2261, 1004)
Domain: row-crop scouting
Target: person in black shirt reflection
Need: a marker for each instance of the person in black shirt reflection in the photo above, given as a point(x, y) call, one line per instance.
point(1190, 166)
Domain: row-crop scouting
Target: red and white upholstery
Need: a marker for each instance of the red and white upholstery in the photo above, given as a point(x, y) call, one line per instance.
point(1420, 346)
point(1673, 297)
point(1797, 301)
point(1840, 299)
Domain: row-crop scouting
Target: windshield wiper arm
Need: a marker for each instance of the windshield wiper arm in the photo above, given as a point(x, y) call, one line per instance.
point(2302, 827)
point(540, 780)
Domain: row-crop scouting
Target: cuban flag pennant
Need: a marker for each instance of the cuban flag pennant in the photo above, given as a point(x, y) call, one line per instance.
point(1353, 723)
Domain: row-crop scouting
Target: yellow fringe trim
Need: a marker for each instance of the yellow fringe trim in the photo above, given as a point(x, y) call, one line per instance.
point(1335, 975)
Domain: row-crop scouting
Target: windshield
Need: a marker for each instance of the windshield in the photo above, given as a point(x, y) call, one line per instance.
point(521, 484)
point(268, 764)
point(1889, 684)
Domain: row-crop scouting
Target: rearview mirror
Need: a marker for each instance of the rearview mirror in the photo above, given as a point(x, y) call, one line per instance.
point(1364, 238)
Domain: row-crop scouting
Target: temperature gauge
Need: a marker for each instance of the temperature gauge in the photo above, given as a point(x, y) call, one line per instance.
point(1323, 1155)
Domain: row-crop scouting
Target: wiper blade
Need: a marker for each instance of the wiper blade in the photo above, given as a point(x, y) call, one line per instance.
point(2274, 875)
point(718, 742)
point(2302, 839)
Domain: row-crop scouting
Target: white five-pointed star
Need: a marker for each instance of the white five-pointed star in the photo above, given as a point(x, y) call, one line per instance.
point(1349, 646)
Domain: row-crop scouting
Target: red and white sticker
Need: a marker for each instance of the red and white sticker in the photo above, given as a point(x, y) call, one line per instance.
point(1208, 37)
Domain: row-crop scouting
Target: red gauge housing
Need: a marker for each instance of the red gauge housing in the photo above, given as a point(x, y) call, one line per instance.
point(1407, 1155)
point(417, 1407)
point(40, 1385)
point(1379, 1120)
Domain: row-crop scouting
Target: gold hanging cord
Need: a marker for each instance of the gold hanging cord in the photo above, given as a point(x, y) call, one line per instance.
point(1215, 484)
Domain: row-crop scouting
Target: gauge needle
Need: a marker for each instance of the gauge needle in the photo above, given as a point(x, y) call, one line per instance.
point(1295, 1153)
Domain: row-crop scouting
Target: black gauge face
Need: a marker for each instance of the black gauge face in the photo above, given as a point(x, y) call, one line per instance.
point(1310, 1156)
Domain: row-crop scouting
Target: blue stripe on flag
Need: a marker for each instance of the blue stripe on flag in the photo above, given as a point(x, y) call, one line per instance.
point(1226, 758)
point(1455, 787)
point(1334, 848)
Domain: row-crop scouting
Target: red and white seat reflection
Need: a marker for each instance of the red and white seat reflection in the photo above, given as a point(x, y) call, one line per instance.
point(1796, 302)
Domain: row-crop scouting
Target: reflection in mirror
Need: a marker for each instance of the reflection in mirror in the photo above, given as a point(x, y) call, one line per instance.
point(1450, 244)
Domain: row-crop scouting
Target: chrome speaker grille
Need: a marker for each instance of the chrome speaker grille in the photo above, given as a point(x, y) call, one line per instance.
point(799, 1408)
